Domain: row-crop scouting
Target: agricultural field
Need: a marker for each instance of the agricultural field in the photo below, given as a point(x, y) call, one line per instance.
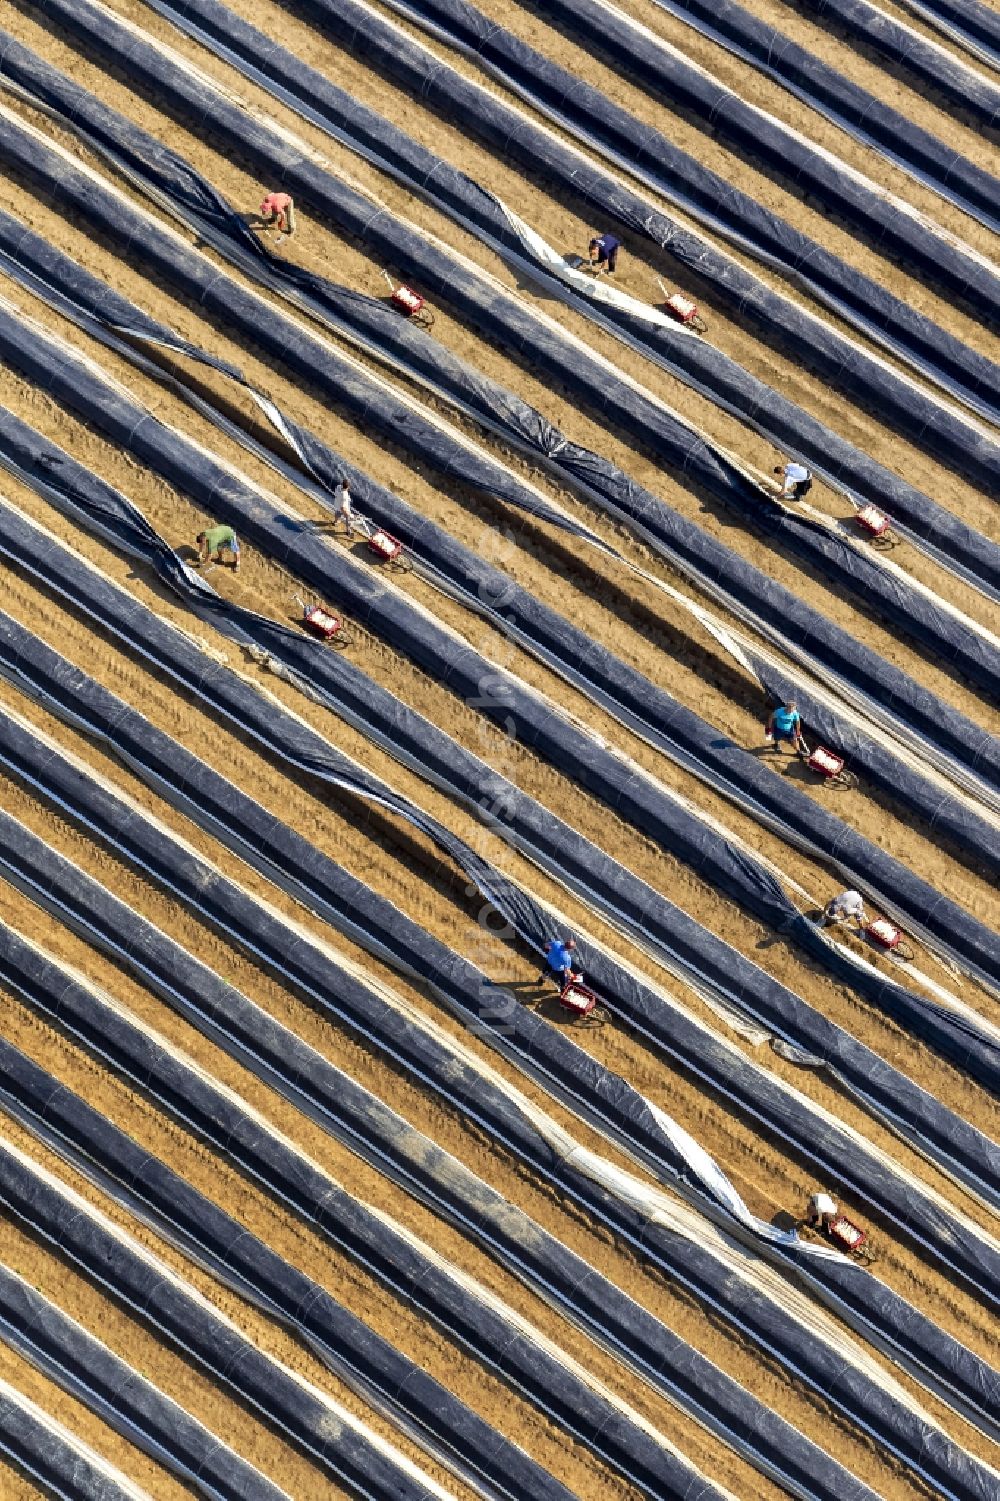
point(310, 1186)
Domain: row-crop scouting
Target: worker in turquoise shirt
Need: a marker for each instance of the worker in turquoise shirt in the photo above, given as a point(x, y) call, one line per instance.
point(785, 724)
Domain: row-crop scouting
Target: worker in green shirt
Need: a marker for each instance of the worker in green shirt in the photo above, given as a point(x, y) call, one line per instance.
point(212, 543)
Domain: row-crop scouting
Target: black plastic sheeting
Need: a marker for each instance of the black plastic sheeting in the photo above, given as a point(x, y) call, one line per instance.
point(172, 182)
point(489, 1463)
point(962, 647)
point(933, 67)
point(841, 1158)
point(380, 330)
point(362, 1358)
point(626, 692)
point(682, 179)
point(72, 1357)
point(782, 153)
point(466, 672)
point(58, 1465)
point(547, 840)
point(976, 27)
point(365, 1237)
point(696, 362)
point(313, 973)
point(628, 695)
point(505, 320)
point(369, 1127)
point(923, 419)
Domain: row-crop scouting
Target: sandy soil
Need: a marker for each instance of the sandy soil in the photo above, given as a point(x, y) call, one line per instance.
point(562, 225)
point(610, 606)
point(692, 135)
point(73, 1414)
point(822, 35)
point(592, 817)
point(632, 618)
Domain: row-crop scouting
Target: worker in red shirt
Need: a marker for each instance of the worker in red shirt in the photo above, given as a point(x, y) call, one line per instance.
point(279, 210)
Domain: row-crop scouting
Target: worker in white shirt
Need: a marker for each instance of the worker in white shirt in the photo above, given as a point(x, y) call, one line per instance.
point(822, 1211)
point(848, 905)
point(343, 509)
point(796, 481)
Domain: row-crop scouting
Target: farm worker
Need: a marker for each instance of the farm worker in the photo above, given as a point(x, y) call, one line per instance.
point(344, 510)
point(278, 209)
point(603, 250)
point(559, 955)
point(785, 724)
point(796, 481)
point(822, 1210)
point(849, 904)
point(212, 542)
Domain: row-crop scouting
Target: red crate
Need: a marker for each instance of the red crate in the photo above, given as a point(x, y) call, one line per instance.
point(681, 308)
point(384, 545)
point(577, 999)
point(873, 521)
point(321, 621)
point(846, 1233)
point(407, 301)
point(825, 762)
point(883, 932)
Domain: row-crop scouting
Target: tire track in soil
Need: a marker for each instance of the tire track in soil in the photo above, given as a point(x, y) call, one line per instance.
point(156, 1479)
point(200, 1166)
point(592, 818)
point(432, 900)
point(747, 1162)
point(335, 252)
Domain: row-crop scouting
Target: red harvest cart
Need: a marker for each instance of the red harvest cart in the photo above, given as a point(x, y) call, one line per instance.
point(582, 1004)
point(685, 311)
point(412, 306)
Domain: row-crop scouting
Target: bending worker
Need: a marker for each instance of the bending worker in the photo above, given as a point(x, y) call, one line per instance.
point(214, 542)
point(848, 905)
point(603, 251)
point(559, 955)
point(279, 210)
point(822, 1211)
point(796, 481)
point(786, 724)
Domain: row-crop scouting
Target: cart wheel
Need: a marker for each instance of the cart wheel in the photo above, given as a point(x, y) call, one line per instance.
point(343, 640)
point(886, 542)
point(844, 778)
point(423, 319)
point(597, 1018)
point(698, 324)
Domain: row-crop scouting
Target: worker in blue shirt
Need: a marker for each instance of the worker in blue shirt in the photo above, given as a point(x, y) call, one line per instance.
point(559, 957)
point(603, 251)
point(785, 724)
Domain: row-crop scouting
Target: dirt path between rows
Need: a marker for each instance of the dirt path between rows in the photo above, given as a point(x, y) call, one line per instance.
point(338, 836)
point(638, 623)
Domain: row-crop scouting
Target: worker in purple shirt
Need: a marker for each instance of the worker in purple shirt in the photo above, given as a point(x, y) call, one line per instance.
point(603, 250)
point(559, 957)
